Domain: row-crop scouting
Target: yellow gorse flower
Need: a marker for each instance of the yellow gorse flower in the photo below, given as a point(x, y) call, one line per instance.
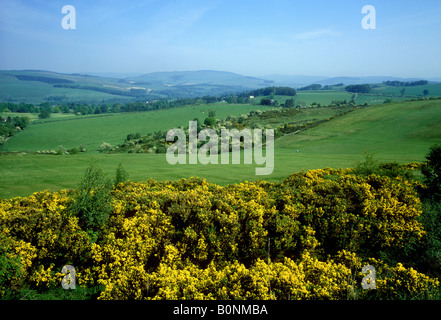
point(305, 238)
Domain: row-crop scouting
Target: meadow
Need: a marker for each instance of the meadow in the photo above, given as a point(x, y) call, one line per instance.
point(92, 131)
point(158, 233)
point(401, 132)
point(12, 89)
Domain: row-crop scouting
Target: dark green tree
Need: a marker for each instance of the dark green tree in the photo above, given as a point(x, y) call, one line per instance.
point(92, 200)
point(403, 92)
point(431, 170)
point(44, 114)
point(121, 174)
point(289, 103)
point(210, 122)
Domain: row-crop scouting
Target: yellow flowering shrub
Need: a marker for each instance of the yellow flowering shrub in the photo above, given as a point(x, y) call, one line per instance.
point(15, 262)
point(307, 237)
point(361, 214)
point(46, 236)
point(399, 282)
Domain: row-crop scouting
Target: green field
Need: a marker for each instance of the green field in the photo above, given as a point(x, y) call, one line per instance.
point(12, 89)
point(400, 132)
point(92, 131)
point(395, 131)
point(415, 91)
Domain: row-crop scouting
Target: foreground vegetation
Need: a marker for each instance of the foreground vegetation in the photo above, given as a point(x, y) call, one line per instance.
point(306, 237)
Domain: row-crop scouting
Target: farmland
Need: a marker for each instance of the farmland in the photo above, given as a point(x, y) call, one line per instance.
point(345, 192)
point(400, 132)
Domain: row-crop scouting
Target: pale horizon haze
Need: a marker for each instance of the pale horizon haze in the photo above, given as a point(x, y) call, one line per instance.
point(253, 38)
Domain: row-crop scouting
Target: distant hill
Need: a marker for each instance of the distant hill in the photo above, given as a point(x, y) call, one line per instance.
point(302, 81)
point(34, 86)
point(203, 77)
point(198, 83)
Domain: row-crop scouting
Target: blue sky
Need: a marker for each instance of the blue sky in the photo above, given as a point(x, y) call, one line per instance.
point(249, 37)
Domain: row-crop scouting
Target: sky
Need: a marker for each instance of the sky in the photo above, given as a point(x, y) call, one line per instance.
point(248, 37)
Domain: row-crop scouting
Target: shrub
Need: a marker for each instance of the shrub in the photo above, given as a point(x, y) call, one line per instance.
point(92, 200)
point(105, 147)
point(305, 238)
point(431, 169)
point(121, 174)
point(389, 169)
point(44, 114)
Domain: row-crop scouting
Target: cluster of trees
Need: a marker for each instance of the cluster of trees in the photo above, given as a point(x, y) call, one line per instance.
point(405, 84)
point(46, 108)
point(313, 86)
point(268, 91)
point(19, 107)
point(358, 88)
point(11, 125)
point(289, 103)
point(316, 86)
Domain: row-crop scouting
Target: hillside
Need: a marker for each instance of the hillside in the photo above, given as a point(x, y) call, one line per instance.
point(396, 131)
point(92, 131)
point(199, 78)
point(298, 81)
point(34, 86)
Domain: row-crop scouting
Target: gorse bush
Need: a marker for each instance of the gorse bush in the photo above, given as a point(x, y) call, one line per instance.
point(390, 169)
point(307, 237)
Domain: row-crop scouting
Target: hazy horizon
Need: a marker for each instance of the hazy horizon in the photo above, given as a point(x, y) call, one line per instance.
point(251, 38)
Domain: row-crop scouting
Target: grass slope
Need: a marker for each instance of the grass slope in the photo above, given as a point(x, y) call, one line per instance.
point(92, 131)
point(395, 131)
point(15, 90)
point(34, 86)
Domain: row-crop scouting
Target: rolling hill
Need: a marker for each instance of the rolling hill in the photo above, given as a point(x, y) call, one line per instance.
point(35, 86)
point(401, 132)
point(395, 132)
point(303, 80)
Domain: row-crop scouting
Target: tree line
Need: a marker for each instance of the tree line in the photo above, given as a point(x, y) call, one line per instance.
point(45, 109)
point(406, 84)
point(279, 91)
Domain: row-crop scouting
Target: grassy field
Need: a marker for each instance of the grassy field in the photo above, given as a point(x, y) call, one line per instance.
point(36, 91)
point(417, 91)
point(23, 174)
point(400, 132)
point(92, 131)
point(395, 131)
